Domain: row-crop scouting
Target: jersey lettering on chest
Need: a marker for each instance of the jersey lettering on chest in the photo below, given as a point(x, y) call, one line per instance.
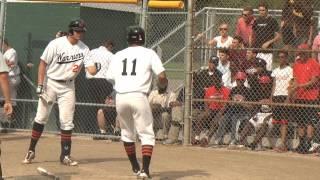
point(64, 59)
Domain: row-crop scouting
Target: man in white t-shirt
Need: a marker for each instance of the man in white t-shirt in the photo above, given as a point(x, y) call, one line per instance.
point(11, 59)
point(224, 67)
point(59, 65)
point(131, 71)
point(282, 76)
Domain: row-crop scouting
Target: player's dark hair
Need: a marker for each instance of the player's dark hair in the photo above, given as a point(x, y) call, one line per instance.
point(224, 50)
point(239, 38)
point(263, 4)
point(6, 42)
point(248, 8)
point(108, 43)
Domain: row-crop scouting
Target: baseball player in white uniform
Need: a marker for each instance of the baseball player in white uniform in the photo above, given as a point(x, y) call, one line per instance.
point(98, 85)
point(4, 83)
point(59, 65)
point(11, 59)
point(131, 71)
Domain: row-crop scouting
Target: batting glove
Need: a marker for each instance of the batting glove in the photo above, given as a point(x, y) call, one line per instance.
point(39, 90)
point(98, 66)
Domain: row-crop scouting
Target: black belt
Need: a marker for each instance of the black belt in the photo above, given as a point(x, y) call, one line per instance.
point(63, 81)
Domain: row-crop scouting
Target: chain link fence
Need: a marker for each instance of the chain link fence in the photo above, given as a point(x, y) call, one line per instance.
point(253, 81)
point(253, 84)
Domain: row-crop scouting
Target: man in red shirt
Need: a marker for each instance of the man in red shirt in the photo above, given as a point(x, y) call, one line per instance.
point(214, 109)
point(244, 25)
point(305, 90)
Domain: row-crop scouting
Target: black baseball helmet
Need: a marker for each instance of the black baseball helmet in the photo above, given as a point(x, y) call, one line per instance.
point(136, 35)
point(77, 25)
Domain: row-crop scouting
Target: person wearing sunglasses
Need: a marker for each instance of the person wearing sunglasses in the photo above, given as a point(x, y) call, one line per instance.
point(244, 25)
point(223, 40)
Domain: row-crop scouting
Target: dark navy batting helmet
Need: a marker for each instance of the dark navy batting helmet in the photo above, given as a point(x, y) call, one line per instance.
point(77, 25)
point(136, 35)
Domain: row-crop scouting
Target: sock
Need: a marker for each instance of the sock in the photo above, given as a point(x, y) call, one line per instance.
point(146, 156)
point(65, 142)
point(130, 148)
point(37, 130)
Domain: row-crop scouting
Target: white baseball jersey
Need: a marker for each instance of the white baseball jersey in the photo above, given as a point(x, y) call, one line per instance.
point(131, 69)
point(63, 59)
point(11, 56)
point(3, 66)
point(100, 55)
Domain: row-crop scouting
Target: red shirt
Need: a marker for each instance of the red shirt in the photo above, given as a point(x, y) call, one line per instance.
point(244, 30)
point(213, 93)
point(303, 73)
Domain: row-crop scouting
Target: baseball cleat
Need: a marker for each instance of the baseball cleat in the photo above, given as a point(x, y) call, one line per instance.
point(136, 172)
point(144, 175)
point(29, 157)
point(68, 161)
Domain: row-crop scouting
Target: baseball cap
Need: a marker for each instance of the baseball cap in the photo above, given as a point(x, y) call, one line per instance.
point(214, 59)
point(264, 80)
point(240, 76)
point(261, 63)
point(304, 46)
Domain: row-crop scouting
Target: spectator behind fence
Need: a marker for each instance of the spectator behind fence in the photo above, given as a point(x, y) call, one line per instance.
point(254, 67)
point(214, 110)
point(107, 118)
point(235, 113)
point(236, 55)
point(223, 40)
point(287, 24)
point(176, 118)
point(316, 47)
point(264, 34)
point(282, 76)
point(160, 101)
point(11, 58)
point(244, 25)
point(261, 115)
point(297, 24)
point(201, 81)
point(224, 67)
point(305, 90)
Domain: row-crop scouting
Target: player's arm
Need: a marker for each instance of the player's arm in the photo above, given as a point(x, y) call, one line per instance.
point(162, 79)
point(4, 82)
point(41, 72)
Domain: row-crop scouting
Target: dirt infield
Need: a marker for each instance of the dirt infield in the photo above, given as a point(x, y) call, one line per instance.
point(107, 160)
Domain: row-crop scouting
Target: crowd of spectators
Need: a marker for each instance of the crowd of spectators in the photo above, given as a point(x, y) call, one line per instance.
point(251, 89)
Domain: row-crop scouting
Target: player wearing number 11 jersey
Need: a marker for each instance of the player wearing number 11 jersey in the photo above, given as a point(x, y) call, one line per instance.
point(131, 71)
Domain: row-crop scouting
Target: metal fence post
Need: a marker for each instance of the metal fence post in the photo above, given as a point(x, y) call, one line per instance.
point(188, 71)
point(143, 17)
point(2, 18)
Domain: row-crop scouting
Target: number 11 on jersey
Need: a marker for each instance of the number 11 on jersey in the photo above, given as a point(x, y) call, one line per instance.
point(133, 71)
